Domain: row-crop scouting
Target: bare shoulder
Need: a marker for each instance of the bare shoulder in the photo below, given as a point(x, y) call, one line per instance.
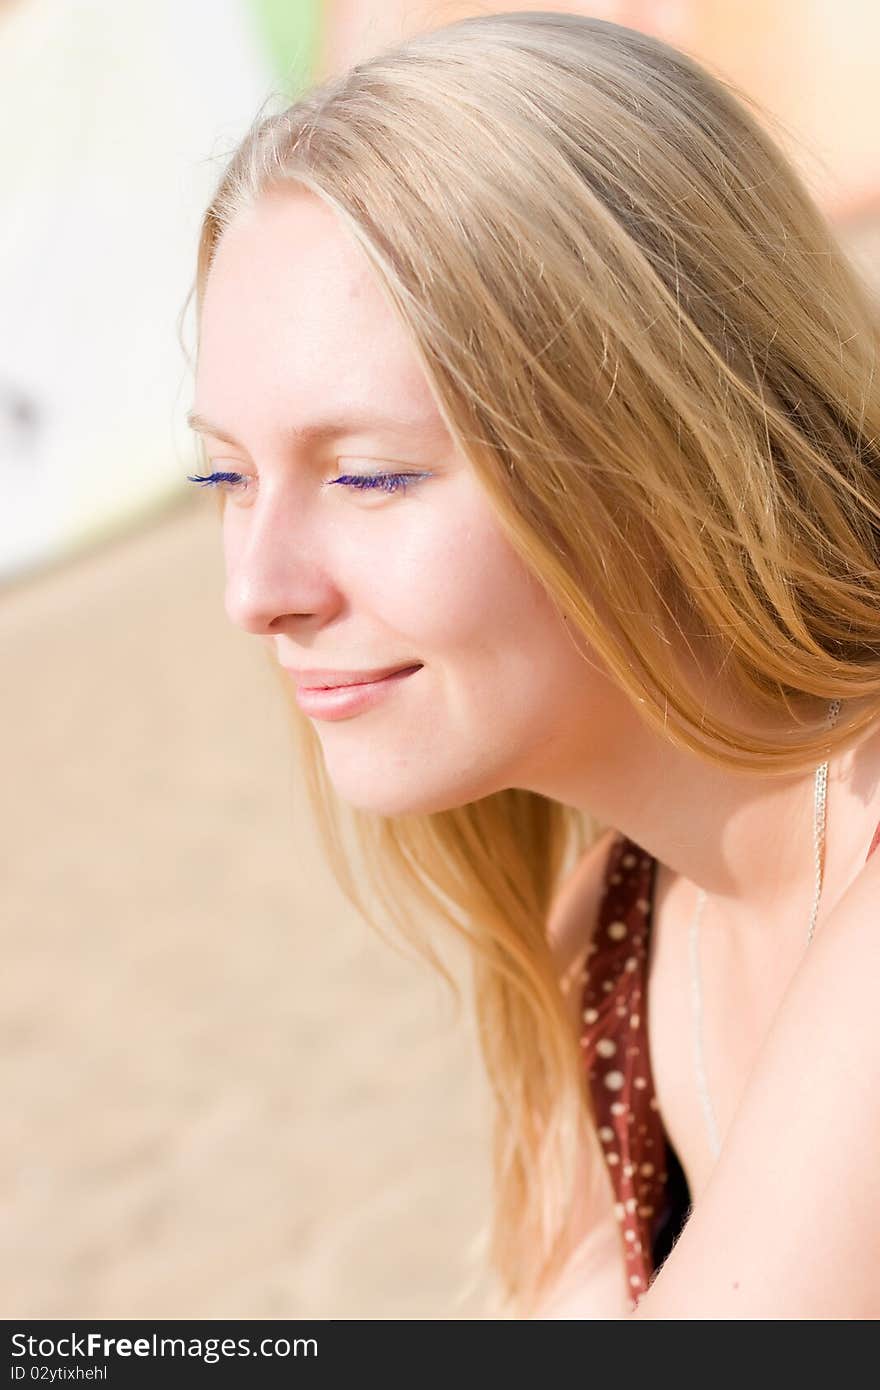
point(792, 1208)
point(574, 910)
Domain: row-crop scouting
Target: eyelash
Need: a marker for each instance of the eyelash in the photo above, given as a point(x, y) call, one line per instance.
point(386, 482)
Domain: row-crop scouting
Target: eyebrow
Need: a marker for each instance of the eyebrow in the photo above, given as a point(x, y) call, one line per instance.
point(328, 428)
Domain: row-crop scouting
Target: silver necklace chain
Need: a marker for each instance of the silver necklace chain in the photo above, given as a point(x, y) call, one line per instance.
point(821, 787)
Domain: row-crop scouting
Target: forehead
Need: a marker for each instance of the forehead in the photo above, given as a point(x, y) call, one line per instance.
point(292, 308)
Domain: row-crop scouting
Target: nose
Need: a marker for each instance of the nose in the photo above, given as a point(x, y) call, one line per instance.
point(273, 572)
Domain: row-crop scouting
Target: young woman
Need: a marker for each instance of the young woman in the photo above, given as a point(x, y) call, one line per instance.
point(543, 406)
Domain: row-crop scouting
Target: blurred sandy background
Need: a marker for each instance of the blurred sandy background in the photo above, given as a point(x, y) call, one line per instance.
point(223, 1096)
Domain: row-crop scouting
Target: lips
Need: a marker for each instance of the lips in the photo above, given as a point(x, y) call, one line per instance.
point(323, 679)
point(345, 701)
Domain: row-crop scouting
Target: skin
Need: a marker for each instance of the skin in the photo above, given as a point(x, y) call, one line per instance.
point(344, 579)
point(295, 324)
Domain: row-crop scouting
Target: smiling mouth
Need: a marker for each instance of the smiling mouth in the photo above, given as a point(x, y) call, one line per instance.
point(344, 701)
point(354, 681)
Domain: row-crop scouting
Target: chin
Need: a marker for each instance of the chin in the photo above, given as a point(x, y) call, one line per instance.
point(408, 795)
point(415, 783)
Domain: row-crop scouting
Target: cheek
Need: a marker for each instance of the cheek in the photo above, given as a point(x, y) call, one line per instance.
point(516, 673)
point(420, 578)
point(455, 587)
point(463, 591)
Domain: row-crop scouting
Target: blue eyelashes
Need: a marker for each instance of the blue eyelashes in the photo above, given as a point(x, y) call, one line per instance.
point(386, 482)
point(213, 478)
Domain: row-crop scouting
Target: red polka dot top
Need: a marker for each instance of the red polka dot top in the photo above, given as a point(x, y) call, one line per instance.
point(652, 1200)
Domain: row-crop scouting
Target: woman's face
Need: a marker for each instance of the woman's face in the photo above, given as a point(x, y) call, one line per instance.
point(295, 331)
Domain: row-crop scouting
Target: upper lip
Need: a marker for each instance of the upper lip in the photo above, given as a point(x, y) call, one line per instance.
point(318, 678)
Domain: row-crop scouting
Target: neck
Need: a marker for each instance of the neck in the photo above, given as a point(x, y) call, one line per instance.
point(747, 840)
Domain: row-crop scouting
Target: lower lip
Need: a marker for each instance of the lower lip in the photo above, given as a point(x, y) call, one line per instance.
point(341, 701)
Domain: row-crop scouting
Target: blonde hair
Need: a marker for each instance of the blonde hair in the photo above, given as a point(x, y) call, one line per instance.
point(660, 362)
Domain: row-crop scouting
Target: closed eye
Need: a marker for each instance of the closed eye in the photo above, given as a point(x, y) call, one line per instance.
point(213, 479)
point(387, 482)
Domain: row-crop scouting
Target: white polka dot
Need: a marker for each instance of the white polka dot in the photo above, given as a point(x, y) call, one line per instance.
point(606, 1134)
point(634, 1279)
point(647, 1169)
point(653, 1103)
point(619, 1211)
point(618, 1108)
point(632, 963)
point(628, 861)
point(642, 904)
point(614, 1080)
point(630, 1204)
point(629, 1235)
point(612, 1157)
point(590, 1015)
point(608, 986)
point(640, 1082)
point(606, 1047)
point(621, 1010)
point(617, 931)
point(629, 1169)
point(646, 1211)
